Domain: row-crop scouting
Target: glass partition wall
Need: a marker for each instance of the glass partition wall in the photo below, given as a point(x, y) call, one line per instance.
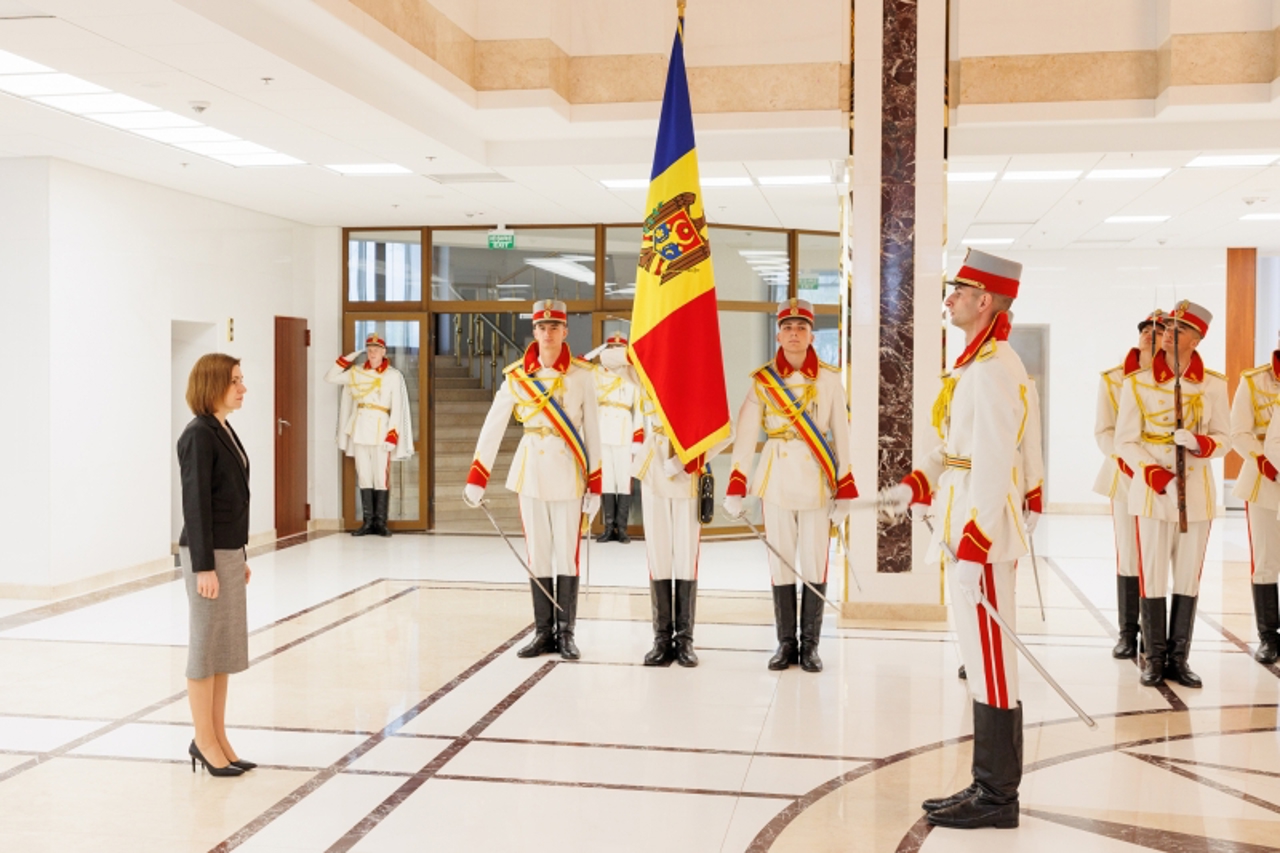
point(455, 307)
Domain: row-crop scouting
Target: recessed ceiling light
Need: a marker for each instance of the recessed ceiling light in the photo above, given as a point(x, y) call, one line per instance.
point(969, 177)
point(370, 169)
point(1260, 217)
point(1124, 220)
point(11, 63)
point(174, 135)
point(27, 85)
point(141, 121)
point(793, 180)
point(1209, 161)
point(1126, 174)
point(626, 183)
point(987, 241)
point(272, 159)
point(739, 181)
point(84, 104)
point(217, 149)
point(1043, 175)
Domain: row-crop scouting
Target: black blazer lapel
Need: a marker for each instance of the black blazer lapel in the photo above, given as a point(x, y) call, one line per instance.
point(226, 435)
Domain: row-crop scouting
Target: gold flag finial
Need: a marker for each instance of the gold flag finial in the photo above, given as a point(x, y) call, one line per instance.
point(680, 7)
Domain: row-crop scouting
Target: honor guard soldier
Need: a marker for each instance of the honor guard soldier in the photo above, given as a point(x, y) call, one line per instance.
point(1252, 413)
point(556, 468)
point(374, 426)
point(1113, 482)
point(620, 427)
point(803, 478)
point(984, 476)
point(1150, 429)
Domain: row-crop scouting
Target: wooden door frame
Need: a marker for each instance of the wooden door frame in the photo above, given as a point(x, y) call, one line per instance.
point(299, 422)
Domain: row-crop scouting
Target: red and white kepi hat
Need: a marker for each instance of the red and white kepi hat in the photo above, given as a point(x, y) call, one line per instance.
point(1155, 318)
point(989, 273)
point(617, 339)
point(1190, 314)
point(795, 309)
point(550, 311)
point(374, 340)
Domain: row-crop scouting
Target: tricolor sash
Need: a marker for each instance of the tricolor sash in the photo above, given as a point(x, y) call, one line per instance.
point(790, 408)
point(544, 402)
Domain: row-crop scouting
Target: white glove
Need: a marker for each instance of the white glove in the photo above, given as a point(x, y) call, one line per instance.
point(613, 357)
point(840, 511)
point(1030, 521)
point(733, 506)
point(388, 447)
point(672, 467)
point(1186, 438)
point(969, 580)
point(590, 505)
point(896, 499)
point(919, 512)
point(472, 495)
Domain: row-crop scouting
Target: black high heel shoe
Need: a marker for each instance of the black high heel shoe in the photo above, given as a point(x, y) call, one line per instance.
point(229, 770)
point(243, 765)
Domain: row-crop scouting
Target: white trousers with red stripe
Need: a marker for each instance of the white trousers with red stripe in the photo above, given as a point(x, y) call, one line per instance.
point(672, 535)
point(990, 661)
point(1126, 529)
point(372, 463)
point(1264, 543)
point(551, 535)
point(1162, 550)
point(803, 536)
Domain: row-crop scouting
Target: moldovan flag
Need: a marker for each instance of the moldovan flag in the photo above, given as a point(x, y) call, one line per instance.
point(675, 328)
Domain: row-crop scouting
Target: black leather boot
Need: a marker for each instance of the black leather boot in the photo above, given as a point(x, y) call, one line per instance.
point(1153, 640)
point(1182, 619)
point(606, 517)
point(1127, 596)
point(784, 618)
point(544, 621)
point(366, 509)
point(811, 627)
point(381, 505)
point(997, 773)
point(620, 518)
point(567, 615)
point(1266, 612)
point(660, 597)
point(686, 605)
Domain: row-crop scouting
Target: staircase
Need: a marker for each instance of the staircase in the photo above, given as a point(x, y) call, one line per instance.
point(460, 403)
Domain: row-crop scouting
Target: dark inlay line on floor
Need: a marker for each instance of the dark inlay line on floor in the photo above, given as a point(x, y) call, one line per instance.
point(296, 796)
point(317, 606)
point(289, 542)
point(679, 749)
point(1221, 788)
point(915, 837)
point(1274, 669)
point(433, 767)
point(324, 629)
point(1210, 766)
point(1164, 840)
point(614, 786)
point(1166, 692)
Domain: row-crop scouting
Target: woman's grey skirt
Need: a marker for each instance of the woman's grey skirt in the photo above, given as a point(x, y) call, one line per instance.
point(219, 626)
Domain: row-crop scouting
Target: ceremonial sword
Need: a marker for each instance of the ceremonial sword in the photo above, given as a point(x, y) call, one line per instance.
point(1013, 638)
point(1035, 571)
point(484, 505)
point(784, 561)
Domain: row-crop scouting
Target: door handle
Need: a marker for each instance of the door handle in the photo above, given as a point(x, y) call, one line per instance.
point(281, 423)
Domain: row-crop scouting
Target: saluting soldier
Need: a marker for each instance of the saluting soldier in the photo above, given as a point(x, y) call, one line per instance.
point(556, 468)
point(621, 425)
point(1252, 413)
point(1147, 438)
point(803, 479)
point(985, 474)
point(1113, 482)
point(374, 426)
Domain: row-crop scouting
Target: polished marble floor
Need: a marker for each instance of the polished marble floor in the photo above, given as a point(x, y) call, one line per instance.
point(389, 712)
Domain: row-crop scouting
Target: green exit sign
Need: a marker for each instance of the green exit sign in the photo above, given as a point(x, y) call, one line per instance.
point(502, 239)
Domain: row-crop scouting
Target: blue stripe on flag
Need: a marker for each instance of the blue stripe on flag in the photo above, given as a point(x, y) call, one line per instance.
point(675, 128)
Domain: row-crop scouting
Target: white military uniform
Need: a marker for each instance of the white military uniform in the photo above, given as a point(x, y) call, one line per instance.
point(672, 531)
point(987, 469)
point(1144, 440)
point(1114, 476)
point(795, 491)
point(374, 425)
point(620, 426)
point(1251, 415)
point(547, 472)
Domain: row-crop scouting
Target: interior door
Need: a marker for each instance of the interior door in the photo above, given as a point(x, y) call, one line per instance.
point(291, 426)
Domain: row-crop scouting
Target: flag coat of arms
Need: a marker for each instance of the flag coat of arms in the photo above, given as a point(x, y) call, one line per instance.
point(675, 327)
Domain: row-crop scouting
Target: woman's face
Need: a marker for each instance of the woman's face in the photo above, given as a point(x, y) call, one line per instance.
point(234, 398)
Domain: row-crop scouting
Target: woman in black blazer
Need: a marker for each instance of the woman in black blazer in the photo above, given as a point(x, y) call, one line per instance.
point(215, 514)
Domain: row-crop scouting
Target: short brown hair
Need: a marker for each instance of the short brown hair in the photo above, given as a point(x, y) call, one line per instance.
point(209, 381)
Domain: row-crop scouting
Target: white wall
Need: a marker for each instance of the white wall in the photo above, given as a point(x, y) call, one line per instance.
point(1093, 300)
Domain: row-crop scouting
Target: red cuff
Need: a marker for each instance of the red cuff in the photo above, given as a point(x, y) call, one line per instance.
point(695, 463)
point(737, 485)
point(920, 491)
point(392, 437)
point(343, 363)
point(1157, 478)
point(1207, 446)
point(637, 436)
point(594, 483)
point(845, 488)
point(1266, 469)
point(1124, 468)
point(478, 475)
point(974, 544)
point(1034, 501)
